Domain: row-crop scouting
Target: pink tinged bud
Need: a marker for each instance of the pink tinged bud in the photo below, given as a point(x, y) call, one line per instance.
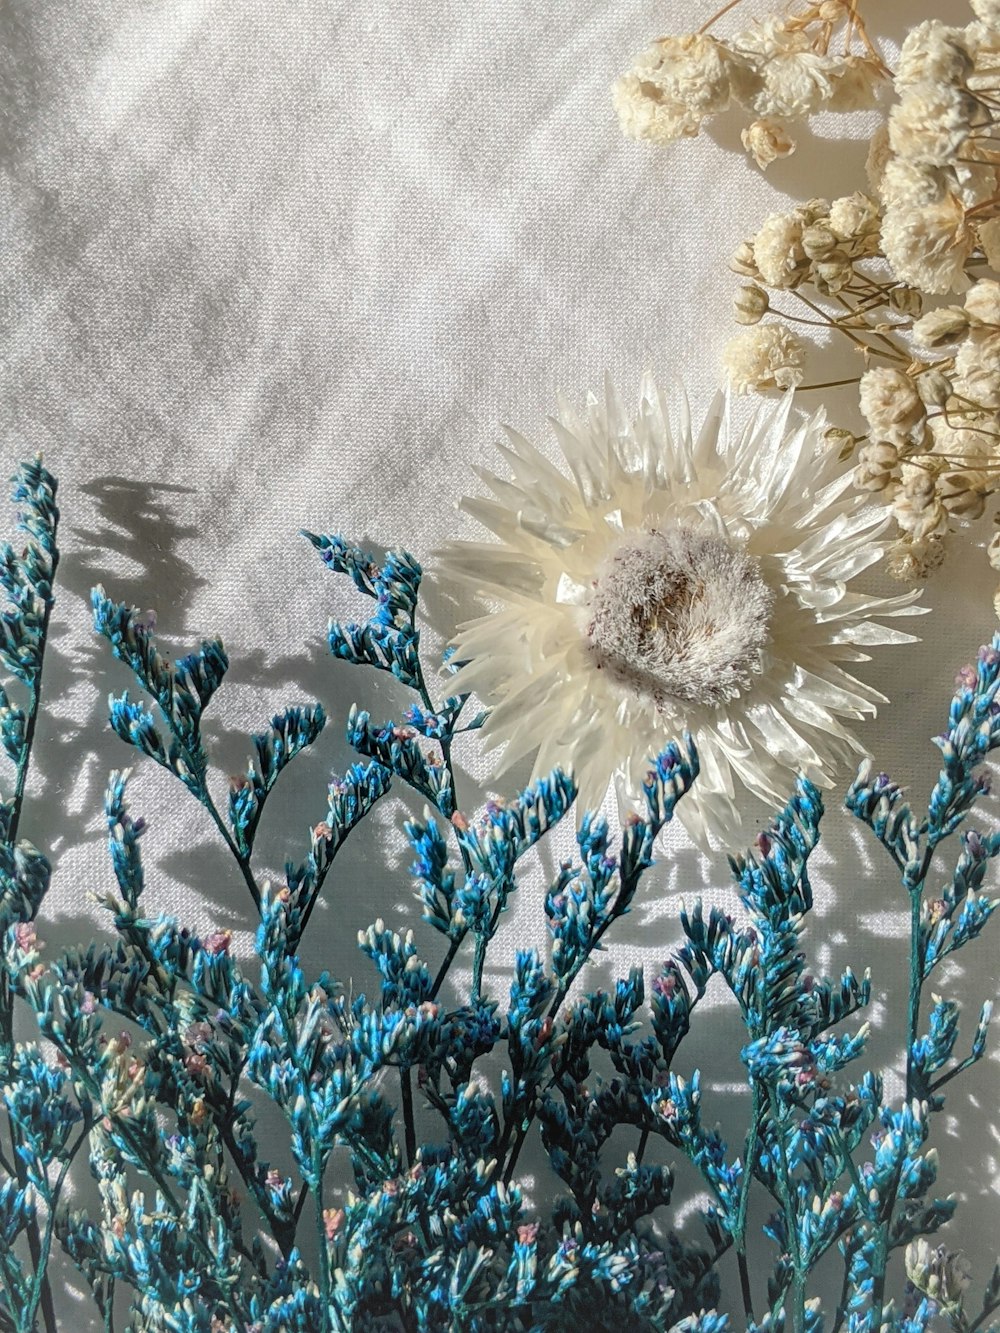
point(24, 933)
point(274, 1179)
point(966, 678)
point(217, 942)
point(527, 1233)
point(88, 1005)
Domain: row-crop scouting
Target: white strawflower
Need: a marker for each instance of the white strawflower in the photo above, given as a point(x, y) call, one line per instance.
point(674, 580)
point(933, 53)
point(768, 356)
point(928, 246)
point(766, 141)
point(890, 403)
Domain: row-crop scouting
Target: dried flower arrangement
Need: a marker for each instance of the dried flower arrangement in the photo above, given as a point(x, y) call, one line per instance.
point(867, 266)
point(674, 615)
point(154, 1048)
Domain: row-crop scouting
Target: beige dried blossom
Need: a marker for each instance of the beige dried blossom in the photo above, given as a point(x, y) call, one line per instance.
point(878, 467)
point(963, 494)
point(766, 141)
point(854, 217)
point(907, 184)
point(768, 356)
point(934, 387)
point(931, 123)
point(928, 247)
point(933, 53)
point(944, 325)
point(988, 11)
point(777, 248)
point(917, 509)
point(857, 84)
point(890, 403)
point(993, 551)
point(910, 560)
point(673, 86)
point(982, 302)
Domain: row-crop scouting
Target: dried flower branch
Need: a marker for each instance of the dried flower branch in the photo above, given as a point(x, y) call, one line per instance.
point(807, 58)
point(162, 1045)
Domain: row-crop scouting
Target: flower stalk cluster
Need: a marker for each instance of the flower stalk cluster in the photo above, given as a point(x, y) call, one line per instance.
point(802, 60)
point(393, 1198)
point(871, 269)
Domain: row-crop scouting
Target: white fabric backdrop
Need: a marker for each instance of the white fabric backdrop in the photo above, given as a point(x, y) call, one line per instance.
point(285, 264)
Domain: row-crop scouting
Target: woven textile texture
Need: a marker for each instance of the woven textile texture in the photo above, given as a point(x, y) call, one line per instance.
point(288, 264)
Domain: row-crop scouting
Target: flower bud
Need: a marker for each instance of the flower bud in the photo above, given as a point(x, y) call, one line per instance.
point(818, 241)
point(743, 261)
point(934, 388)
point(906, 300)
point(833, 274)
point(960, 496)
point(751, 304)
point(766, 141)
point(940, 326)
point(993, 551)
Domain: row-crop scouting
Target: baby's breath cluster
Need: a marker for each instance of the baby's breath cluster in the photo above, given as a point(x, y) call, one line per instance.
point(779, 71)
point(871, 267)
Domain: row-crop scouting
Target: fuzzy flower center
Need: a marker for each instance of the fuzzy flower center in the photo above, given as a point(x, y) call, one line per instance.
point(677, 615)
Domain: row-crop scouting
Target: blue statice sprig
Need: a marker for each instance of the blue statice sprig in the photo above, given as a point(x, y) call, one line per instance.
point(281, 1152)
point(38, 1144)
point(389, 641)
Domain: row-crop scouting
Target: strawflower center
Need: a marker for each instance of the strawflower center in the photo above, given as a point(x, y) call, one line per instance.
point(678, 615)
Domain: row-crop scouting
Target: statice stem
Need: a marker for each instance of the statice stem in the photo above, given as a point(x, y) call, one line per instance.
point(39, 1253)
point(749, 1156)
point(409, 1127)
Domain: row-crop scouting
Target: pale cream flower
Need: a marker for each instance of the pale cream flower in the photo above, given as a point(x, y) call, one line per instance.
point(674, 580)
point(933, 53)
point(854, 216)
point(777, 248)
point(644, 114)
point(915, 184)
point(927, 247)
point(987, 11)
point(672, 87)
point(890, 403)
point(768, 356)
point(856, 84)
point(796, 83)
point(982, 301)
point(766, 141)
point(931, 123)
point(945, 325)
